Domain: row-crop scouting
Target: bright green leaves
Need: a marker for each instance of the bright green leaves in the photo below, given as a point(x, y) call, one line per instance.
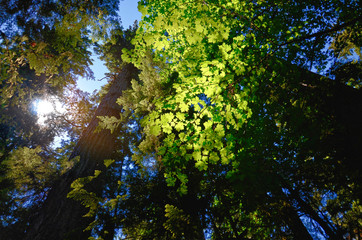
point(199, 26)
point(201, 138)
point(155, 130)
point(52, 41)
point(142, 9)
point(27, 169)
point(167, 122)
point(108, 162)
point(88, 199)
point(206, 106)
point(220, 34)
point(108, 122)
point(193, 115)
point(215, 68)
point(177, 219)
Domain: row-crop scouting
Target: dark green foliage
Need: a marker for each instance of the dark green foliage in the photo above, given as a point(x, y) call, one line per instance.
point(225, 133)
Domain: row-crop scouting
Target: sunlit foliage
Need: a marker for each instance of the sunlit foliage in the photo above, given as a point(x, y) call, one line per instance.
point(242, 123)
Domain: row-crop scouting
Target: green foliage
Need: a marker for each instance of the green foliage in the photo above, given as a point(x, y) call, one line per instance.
point(27, 169)
point(88, 199)
point(26, 175)
point(34, 169)
point(225, 131)
point(225, 100)
point(53, 41)
point(175, 222)
point(44, 47)
point(110, 123)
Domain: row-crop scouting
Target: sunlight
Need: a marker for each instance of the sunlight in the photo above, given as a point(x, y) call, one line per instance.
point(45, 107)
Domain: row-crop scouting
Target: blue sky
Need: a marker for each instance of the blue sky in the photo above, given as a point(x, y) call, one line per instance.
point(129, 13)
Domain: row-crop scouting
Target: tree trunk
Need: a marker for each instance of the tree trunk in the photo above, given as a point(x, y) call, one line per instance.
point(60, 217)
point(335, 115)
point(308, 209)
point(291, 217)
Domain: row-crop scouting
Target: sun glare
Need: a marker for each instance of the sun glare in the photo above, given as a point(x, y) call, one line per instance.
point(45, 107)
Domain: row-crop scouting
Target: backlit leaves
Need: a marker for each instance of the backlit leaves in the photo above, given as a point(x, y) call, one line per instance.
point(219, 110)
point(27, 169)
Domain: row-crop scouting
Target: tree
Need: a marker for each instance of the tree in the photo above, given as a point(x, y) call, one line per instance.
point(44, 47)
point(236, 103)
point(61, 217)
point(225, 133)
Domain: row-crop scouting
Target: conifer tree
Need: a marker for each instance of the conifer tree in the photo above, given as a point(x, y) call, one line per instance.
point(223, 120)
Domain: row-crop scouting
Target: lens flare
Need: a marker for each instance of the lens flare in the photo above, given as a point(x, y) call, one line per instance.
point(45, 107)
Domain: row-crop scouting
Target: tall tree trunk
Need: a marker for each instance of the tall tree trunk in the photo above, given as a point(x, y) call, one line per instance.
point(308, 209)
point(291, 217)
point(60, 217)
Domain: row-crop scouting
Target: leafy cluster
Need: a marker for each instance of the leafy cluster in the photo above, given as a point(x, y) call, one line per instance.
point(235, 122)
point(243, 121)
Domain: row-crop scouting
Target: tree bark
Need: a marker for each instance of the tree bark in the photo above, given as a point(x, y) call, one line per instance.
point(291, 217)
point(60, 217)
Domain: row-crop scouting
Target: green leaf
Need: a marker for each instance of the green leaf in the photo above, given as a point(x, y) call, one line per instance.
point(155, 130)
point(108, 162)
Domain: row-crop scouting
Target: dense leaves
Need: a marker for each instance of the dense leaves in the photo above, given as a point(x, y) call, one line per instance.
point(242, 123)
point(236, 106)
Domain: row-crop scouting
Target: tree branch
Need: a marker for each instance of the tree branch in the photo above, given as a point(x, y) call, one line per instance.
point(321, 33)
